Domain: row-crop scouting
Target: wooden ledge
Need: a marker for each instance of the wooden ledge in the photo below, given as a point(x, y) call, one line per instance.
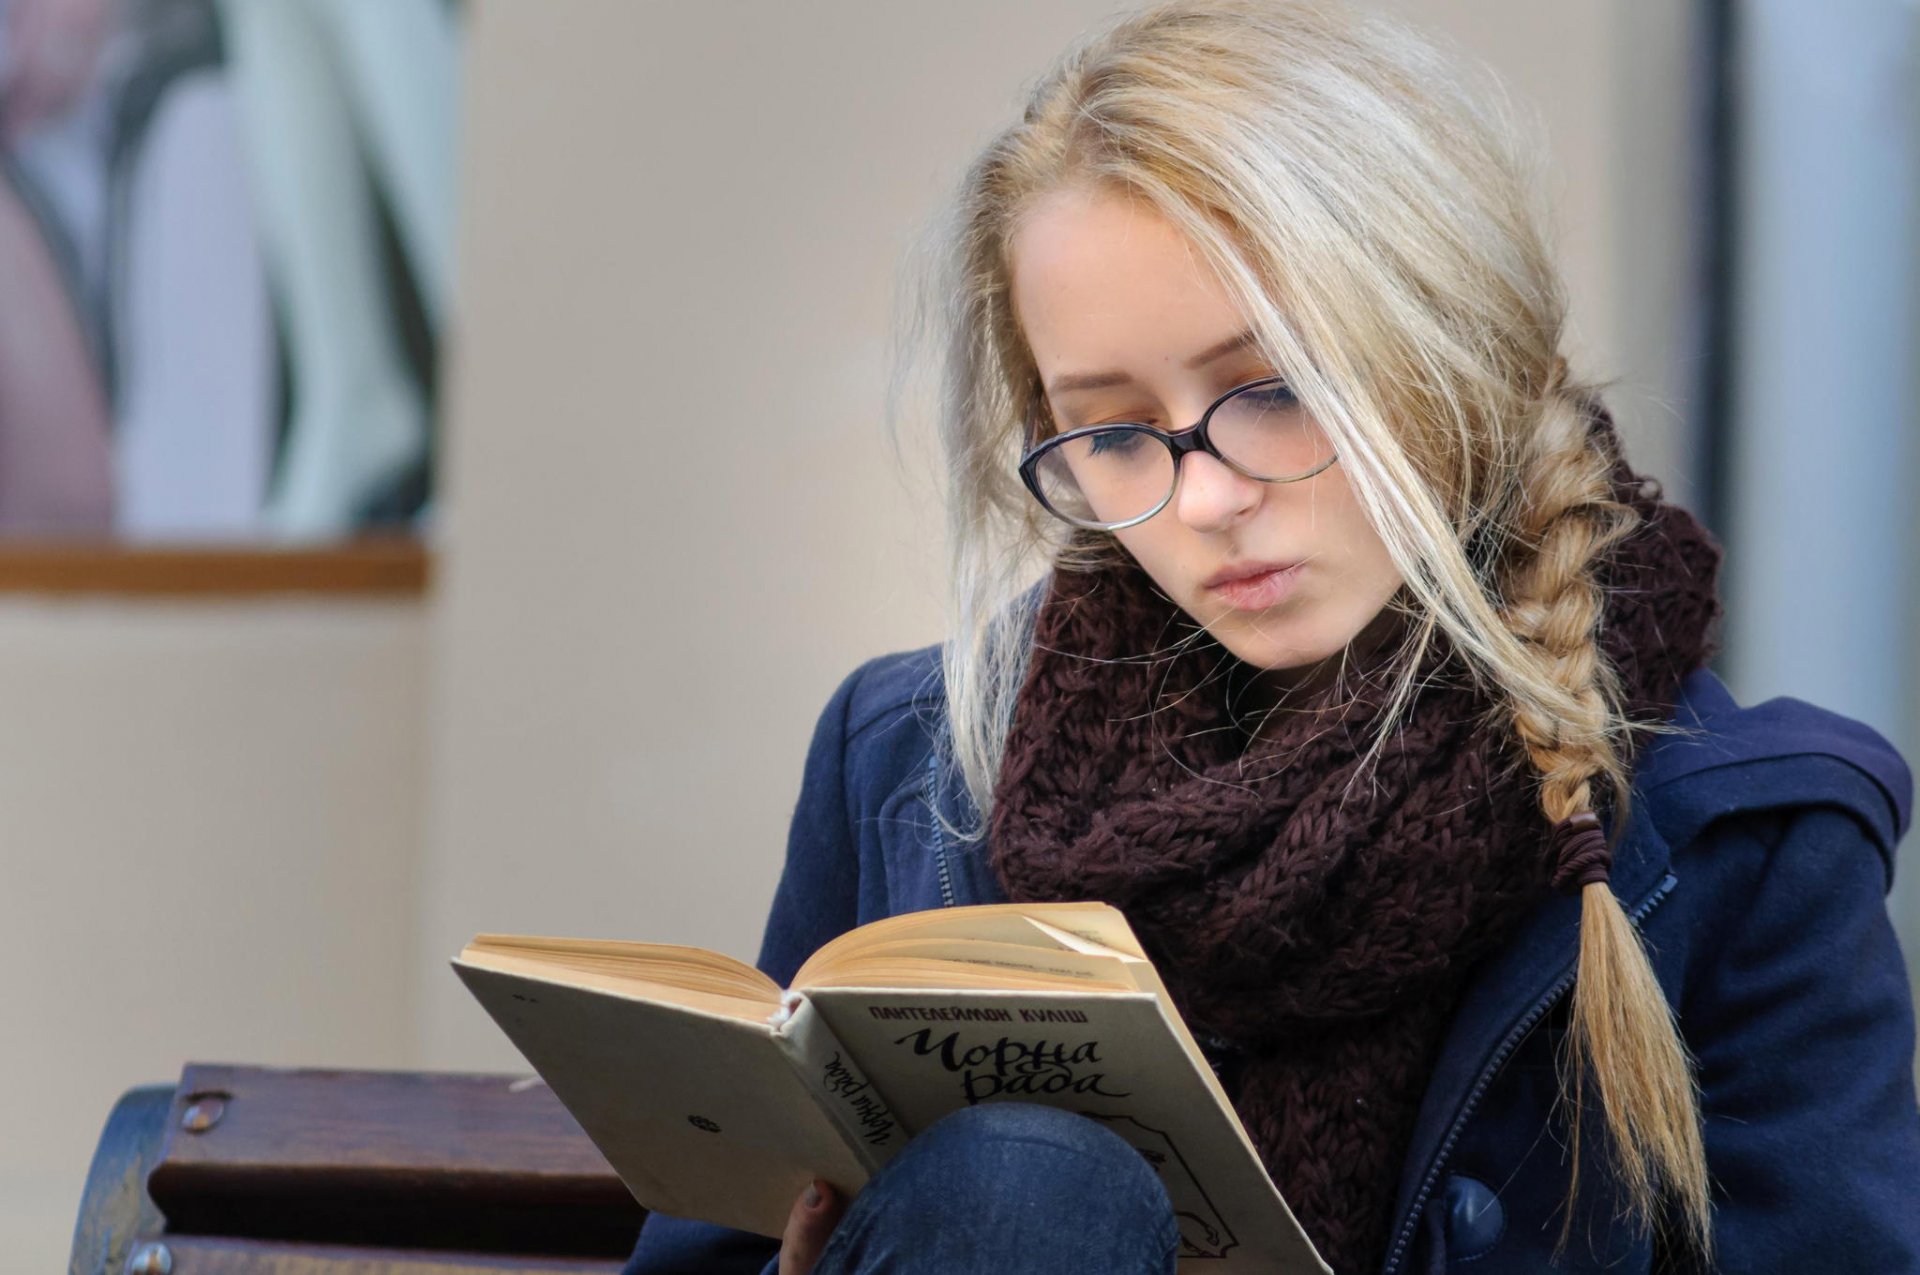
point(369, 567)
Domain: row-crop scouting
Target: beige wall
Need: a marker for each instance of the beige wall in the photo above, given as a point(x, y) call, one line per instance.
point(208, 833)
point(671, 527)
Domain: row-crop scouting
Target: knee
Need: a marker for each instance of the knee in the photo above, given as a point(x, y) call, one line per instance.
point(1014, 1187)
point(1026, 1149)
point(1066, 1131)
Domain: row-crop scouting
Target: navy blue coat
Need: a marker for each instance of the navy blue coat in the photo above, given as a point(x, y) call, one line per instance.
point(1757, 861)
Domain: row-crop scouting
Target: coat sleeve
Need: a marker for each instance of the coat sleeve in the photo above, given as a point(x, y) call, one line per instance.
point(817, 898)
point(1803, 1024)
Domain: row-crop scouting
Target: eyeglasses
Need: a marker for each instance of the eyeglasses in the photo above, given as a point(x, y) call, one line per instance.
point(1107, 477)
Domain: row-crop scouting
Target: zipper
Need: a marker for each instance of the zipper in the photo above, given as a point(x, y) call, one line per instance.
point(932, 793)
point(1508, 1044)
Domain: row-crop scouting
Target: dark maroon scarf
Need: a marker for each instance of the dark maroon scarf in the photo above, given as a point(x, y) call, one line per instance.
point(1318, 932)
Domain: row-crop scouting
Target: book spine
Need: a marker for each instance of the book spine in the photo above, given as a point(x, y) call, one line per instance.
point(863, 1117)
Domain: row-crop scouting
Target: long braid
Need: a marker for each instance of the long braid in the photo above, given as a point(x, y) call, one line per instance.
point(1623, 1031)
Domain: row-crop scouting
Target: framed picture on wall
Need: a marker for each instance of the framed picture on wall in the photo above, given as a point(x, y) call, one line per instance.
point(226, 227)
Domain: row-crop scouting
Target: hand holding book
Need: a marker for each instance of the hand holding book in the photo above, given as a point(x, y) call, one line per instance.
point(809, 1226)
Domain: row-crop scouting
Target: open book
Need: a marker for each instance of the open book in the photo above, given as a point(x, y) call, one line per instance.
point(717, 1095)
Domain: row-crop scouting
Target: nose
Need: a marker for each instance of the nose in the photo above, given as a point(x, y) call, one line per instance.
point(1211, 496)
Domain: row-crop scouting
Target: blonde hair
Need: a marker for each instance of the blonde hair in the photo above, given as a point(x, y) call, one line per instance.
point(1382, 190)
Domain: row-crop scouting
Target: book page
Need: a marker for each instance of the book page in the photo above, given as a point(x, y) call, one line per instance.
point(988, 922)
point(1099, 924)
point(1116, 1058)
point(662, 964)
point(754, 1010)
point(700, 1114)
point(1013, 963)
point(1092, 938)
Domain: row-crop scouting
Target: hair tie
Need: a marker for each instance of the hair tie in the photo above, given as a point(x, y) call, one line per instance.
point(1580, 853)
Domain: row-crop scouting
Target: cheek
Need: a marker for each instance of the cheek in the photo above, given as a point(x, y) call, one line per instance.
point(1367, 564)
point(1379, 577)
point(1346, 525)
point(1376, 578)
point(1158, 556)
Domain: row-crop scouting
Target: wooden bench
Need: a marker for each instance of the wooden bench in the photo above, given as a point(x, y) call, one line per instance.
point(264, 1171)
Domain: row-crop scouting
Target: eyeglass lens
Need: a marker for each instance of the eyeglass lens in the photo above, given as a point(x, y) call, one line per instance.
point(1114, 475)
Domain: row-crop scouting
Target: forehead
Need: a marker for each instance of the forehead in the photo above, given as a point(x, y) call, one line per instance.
point(1101, 282)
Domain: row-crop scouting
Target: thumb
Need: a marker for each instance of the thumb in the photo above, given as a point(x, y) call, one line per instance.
point(809, 1226)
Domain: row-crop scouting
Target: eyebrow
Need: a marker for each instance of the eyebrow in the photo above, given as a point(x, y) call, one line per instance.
point(1102, 380)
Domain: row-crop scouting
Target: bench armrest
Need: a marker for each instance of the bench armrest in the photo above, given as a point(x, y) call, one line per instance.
point(352, 1160)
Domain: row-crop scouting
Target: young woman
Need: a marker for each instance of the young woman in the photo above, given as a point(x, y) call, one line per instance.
point(1366, 677)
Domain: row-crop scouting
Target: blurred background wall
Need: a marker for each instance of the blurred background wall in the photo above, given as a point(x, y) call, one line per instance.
point(211, 822)
point(669, 525)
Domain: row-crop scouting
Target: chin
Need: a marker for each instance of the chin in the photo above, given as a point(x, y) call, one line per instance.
point(1271, 649)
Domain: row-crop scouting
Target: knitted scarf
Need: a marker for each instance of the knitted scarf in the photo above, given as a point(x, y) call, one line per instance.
point(1315, 930)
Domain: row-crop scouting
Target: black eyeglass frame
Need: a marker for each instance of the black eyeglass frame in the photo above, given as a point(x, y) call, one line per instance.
point(1194, 438)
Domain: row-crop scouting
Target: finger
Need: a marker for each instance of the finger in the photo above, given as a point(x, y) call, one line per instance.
point(809, 1226)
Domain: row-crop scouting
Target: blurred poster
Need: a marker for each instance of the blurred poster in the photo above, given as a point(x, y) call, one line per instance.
point(226, 229)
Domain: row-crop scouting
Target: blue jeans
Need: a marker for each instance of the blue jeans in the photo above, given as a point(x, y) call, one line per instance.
point(1009, 1187)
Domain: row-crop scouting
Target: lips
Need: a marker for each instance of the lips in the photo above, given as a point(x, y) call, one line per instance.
point(1244, 571)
